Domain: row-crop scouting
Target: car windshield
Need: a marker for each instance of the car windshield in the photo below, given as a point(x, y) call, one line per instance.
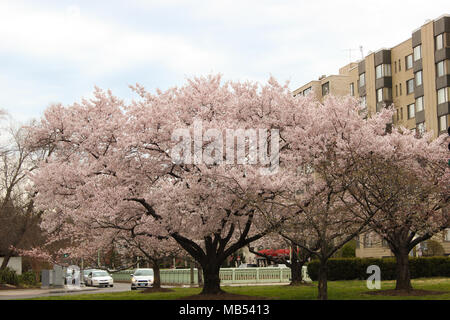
point(100, 274)
point(148, 272)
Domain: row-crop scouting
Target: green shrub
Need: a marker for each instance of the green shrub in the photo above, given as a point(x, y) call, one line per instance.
point(355, 268)
point(433, 249)
point(348, 251)
point(8, 276)
point(28, 278)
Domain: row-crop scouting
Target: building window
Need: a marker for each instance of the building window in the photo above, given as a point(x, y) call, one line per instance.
point(447, 235)
point(419, 104)
point(325, 89)
point(395, 66)
point(440, 69)
point(388, 94)
point(364, 101)
point(400, 89)
point(417, 53)
point(401, 113)
point(399, 65)
point(423, 246)
point(384, 94)
point(383, 70)
point(307, 91)
point(379, 95)
point(421, 128)
point(352, 89)
point(443, 124)
point(411, 111)
point(418, 77)
point(396, 90)
point(409, 62)
point(410, 86)
point(439, 41)
point(442, 95)
point(362, 80)
point(368, 240)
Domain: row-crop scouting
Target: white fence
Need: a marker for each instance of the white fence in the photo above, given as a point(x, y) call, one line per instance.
point(227, 275)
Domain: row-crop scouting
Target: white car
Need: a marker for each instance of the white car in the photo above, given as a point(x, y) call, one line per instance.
point(85, 275)
point(142, 278)
point(99, 278)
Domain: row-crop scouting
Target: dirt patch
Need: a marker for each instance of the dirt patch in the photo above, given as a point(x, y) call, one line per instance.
point(152, 290)
point(222, 296)
point(303, 284)
point(414, 292)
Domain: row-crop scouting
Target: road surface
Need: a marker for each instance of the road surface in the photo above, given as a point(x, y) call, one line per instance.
point(35, 293)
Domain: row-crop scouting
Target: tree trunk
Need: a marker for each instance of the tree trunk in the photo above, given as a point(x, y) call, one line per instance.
point(403, 281)
point(6, 259)
point(200, 275)
point(211, 279)
point(323, 285)
point(296, 273)
point(156, 275)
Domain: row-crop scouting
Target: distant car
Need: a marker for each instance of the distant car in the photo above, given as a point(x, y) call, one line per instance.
point(280, 265)
point(248, 265)
point(99, 278)
point(85, 275)
point(142, 278)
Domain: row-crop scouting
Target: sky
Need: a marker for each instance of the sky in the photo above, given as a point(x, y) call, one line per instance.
point(57, 51)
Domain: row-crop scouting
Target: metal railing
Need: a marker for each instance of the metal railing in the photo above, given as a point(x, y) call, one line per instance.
point(227, 275)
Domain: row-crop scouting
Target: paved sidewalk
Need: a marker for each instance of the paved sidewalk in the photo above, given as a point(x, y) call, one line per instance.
point(26, 292)
point(17, 294)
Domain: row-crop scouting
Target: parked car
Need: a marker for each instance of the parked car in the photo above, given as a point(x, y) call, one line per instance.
point(85, 275)
point(142, 278)
point(248, 265)
point(99, 278)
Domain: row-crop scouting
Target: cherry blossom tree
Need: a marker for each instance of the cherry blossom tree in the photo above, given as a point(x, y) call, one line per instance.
point(111, 162)
point(165, 166)
point(407, 182)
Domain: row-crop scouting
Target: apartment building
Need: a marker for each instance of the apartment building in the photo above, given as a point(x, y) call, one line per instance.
point(414, 76)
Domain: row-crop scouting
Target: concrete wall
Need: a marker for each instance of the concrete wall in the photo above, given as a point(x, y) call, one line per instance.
point(14, 263)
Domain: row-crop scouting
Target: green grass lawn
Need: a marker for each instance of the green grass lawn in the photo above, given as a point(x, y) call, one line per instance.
point(337, 290)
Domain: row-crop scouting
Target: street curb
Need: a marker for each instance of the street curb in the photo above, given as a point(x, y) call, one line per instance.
point(70, 291)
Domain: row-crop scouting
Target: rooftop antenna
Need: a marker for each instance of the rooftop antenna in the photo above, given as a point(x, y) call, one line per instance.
point(349, 53)
point(362, 51)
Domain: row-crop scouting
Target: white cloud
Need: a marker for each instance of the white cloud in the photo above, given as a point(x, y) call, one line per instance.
point(243, 39)
point(96, 47)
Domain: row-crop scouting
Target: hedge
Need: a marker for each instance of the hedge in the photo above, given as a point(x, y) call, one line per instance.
point(8, 276)
point(28, 278)
point(355, 268)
